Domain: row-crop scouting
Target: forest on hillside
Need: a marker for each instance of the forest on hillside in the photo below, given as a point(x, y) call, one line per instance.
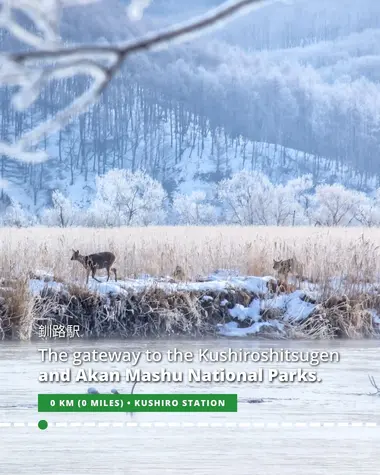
point(308, 86)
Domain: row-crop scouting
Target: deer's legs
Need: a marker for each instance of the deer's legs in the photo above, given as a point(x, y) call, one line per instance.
point(108, 274)
point(93, 275)
point(114, 271)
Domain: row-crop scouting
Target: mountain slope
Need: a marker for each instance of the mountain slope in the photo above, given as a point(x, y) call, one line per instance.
point(205, 109)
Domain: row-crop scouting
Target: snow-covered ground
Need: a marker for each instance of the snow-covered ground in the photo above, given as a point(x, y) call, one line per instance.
point(250, 284)
point(245, 321)
point(267, 312)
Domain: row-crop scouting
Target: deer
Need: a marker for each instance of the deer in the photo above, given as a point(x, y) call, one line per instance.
point(288, 266)
point(93, 262)
point(179, 273)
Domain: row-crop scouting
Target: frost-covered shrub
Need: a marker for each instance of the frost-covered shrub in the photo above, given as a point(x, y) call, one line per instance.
point(63, 212)
point(16, 216)
point(243, 197)
point(368, 210)
point(335, 205)
point(127, 198)
point(193, 209)
point(250, 198)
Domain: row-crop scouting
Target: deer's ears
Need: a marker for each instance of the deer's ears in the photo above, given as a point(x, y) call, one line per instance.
point(74, 251)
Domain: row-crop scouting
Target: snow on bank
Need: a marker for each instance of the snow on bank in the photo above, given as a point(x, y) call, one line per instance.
point(256, 285)
point(252, 284)
point(266, 312)
point(245, 320)
point(252, 312)
point(36, 286)
point(291, 307)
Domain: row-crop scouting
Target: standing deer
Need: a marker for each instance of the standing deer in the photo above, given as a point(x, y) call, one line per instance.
point(93, 262)
point(288, 266)
point(179, 273)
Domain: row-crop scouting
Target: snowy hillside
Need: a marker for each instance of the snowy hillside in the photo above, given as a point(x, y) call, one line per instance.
point(196, 171)
point(265, 93)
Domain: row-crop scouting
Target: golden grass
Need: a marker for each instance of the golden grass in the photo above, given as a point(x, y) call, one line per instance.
point(352, 253)
point(341, 311)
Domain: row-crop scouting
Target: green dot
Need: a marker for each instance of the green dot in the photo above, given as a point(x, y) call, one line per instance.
point(43, 424)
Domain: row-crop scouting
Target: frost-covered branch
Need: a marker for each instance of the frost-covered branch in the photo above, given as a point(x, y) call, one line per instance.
point(50, 59)
point(374, 384)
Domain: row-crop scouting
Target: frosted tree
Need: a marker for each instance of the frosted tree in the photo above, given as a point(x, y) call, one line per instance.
point(299, 192)
point(16, 216)
point(193, 209)
point(368, 210)
point(283, 208)
point(302, 187)
point(47, 59)
point(280, 205)
point(124, 198)
point(334, 205)
point(63, 212)
point(250, 198)
point(246, 197)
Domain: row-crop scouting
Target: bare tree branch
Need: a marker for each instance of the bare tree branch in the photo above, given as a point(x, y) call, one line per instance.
point(25, 69)
point(373, 383)
point(181, 32)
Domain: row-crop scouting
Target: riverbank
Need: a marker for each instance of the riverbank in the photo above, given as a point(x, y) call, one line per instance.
point(219, 305)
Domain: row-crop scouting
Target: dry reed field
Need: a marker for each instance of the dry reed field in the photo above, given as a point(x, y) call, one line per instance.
point(348, 253)
point(341, 264)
